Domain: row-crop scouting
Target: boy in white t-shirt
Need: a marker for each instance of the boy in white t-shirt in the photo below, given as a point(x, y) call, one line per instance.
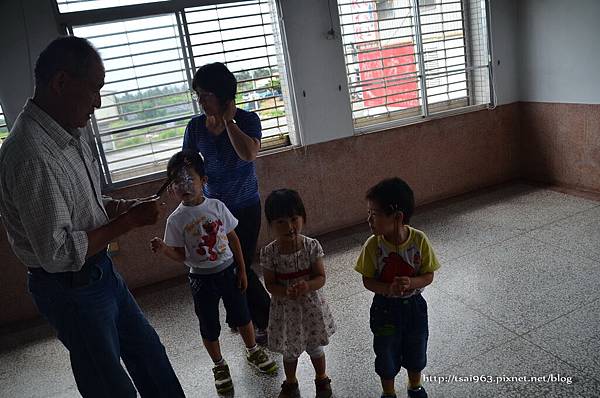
point(200, 234)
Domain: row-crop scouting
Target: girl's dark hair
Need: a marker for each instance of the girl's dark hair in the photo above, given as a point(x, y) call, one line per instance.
point(217, 79)
point(186, 157)
point(392, 195)
point(284, 203)
point(71, 54)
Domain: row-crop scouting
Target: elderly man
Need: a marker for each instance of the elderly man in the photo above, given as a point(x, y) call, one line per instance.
point(59, 226)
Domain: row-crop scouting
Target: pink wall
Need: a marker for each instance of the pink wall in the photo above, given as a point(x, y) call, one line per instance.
point(439, 159)
point(561, 144)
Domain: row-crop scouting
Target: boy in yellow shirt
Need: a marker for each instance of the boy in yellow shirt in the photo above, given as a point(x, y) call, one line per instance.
point(396, 263)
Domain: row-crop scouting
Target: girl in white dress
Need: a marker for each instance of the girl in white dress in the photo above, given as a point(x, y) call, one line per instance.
point(299, 319)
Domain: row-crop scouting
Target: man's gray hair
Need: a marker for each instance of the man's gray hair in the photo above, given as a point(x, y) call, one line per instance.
point(71, 54)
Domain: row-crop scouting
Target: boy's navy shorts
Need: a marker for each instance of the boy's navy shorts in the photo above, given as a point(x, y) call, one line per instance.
point(400, 332)
point(207, 290)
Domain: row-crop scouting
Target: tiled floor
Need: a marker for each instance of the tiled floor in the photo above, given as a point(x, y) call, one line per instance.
point(517, 297)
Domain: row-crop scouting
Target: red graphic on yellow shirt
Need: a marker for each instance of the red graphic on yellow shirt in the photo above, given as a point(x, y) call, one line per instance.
point(417, 259)
point(210, 240)
point(394, 265)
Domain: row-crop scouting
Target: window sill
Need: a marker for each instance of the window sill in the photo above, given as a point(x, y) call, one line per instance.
point(417, 119)
point(157, 171)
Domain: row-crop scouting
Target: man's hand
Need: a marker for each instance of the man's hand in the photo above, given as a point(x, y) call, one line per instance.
point(144, 213)
point(242, 280)
point(157, 245)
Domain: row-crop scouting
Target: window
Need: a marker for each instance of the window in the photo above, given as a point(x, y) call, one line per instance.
point(85, 5)
point(3, 127)
point(409, 59)
point(150, 62)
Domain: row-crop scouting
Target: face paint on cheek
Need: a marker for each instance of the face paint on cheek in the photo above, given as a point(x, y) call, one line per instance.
point(185, 185)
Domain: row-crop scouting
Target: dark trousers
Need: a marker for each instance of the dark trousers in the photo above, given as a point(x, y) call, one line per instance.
point(259, 301)
point(100, 323)
point(400, 333)
point(208, 290)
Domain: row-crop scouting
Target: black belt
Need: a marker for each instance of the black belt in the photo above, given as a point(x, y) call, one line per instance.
point(74, 278)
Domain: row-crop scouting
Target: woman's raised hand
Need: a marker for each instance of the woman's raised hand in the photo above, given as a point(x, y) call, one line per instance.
point(229, 111)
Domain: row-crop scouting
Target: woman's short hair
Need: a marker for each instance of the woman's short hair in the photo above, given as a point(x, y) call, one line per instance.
point(217, 79)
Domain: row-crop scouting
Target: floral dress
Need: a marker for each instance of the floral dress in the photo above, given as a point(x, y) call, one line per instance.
point(305, 322)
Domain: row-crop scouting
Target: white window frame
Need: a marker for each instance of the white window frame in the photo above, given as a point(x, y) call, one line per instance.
point(426, 113)
point(3, 124)
point(68, 20)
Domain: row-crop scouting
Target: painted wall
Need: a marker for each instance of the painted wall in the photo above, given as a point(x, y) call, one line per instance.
point(560, 144)
point(558, 53)
point(28, 26)
point(558, 66)
point(504, 43)
point(318, 71)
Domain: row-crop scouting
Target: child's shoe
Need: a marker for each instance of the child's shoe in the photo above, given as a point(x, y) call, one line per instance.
point(289, 390)
point(323, 388)
point(418, 393)
point(260, 360)
point(261, 337)
point(222, 379)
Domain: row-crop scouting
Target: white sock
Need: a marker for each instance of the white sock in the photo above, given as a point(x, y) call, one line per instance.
point(252, 350)
point(221, 362)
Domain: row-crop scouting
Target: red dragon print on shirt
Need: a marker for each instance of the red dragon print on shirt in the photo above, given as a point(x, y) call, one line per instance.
point(210, 240)
point(394, 265)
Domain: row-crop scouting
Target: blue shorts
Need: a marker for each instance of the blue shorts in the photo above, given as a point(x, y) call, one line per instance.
point(207, 291)
point(400, 332)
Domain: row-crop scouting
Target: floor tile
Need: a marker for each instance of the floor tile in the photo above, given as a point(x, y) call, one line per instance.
point(574, 338)
point(522, 283)
point(579, 233)
point(501, 368)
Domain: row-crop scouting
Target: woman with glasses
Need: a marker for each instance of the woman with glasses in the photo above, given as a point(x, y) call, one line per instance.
point(229, 140)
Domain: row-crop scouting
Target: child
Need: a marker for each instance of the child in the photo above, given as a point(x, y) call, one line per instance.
point(396, 263)
point(299, 318)
point(200, 234)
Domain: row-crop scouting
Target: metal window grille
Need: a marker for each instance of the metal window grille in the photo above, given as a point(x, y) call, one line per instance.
point(411, 58)
point(86, 5)
point(150, 62)
point(3, 126)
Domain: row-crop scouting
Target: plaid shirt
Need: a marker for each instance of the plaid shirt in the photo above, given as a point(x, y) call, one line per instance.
point(50, 192)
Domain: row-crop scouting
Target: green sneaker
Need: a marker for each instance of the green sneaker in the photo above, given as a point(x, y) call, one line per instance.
point(261, 361)
point(222, 379)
